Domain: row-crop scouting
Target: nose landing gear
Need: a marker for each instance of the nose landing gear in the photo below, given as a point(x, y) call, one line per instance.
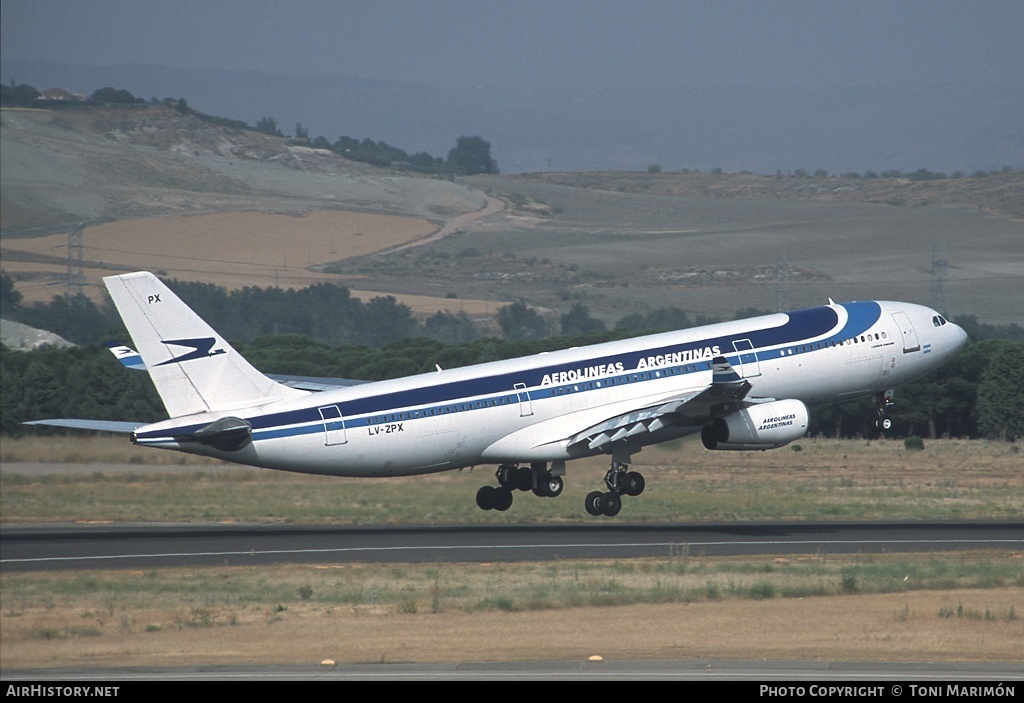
point(883, 401)
point(619, 480)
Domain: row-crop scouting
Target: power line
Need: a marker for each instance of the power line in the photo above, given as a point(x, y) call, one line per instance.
point(74, 285)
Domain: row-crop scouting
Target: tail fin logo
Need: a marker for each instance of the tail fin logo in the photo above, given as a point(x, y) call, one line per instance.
point(202, 348)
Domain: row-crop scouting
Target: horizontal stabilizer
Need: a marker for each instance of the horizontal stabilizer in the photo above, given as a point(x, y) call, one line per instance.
point(98, 425)
point(131, 359)
point(127, 356)
point(315, 384)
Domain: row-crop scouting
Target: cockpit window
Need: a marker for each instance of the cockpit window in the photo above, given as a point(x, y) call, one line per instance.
point(938, 320)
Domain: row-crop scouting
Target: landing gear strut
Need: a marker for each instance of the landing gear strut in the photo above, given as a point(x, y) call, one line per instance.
point(543, 482)
point(883, 401)
point(619, 480)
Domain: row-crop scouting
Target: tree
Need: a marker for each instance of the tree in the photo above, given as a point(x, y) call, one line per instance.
point(470, 156)
point(268, 125)
point(578, 322)
point(1001, 394)
point(520, 322)
point(386, 320)
point(113, 95)
point(20, 91)
point(659, 320)
point(450, 329)
point(9, 298)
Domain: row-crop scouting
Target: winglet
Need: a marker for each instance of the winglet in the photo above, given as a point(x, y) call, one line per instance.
point(723, 372)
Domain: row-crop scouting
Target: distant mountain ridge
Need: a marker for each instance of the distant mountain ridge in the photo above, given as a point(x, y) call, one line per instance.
point(837, 129)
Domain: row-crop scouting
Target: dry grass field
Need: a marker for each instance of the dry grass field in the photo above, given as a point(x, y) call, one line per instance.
point(47, 479)
point(233, 249)
point(100, 619)
point(965, 607)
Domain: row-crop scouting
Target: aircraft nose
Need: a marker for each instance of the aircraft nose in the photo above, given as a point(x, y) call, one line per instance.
point(961, 337)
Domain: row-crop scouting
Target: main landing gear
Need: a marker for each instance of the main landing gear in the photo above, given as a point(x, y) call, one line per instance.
point(883, 401)
point(547, 483)
point(619, 480)
point(536, 477)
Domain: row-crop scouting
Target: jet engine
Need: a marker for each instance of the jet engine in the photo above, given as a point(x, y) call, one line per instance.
point(762, 426)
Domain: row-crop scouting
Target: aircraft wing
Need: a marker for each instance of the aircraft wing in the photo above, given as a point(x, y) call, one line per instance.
point(131, 359)
point(726, 393)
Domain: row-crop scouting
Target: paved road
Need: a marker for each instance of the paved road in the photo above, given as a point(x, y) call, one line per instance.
point(895, 678)
point(151, 546)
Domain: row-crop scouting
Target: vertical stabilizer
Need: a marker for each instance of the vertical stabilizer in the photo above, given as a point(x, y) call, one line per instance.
point(192, 367)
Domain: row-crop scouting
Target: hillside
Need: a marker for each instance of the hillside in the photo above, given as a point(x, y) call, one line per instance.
point(198, 200)
point(257, 209)
point(95, 164)
point(999, 194)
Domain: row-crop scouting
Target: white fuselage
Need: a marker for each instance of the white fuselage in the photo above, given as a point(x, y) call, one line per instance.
point(526, 409)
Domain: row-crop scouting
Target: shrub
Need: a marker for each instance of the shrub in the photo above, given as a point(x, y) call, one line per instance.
point(913, 444)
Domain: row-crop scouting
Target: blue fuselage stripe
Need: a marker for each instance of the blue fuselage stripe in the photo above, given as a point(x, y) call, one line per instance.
point(495, 390)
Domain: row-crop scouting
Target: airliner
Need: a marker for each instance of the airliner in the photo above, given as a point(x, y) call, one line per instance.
point(744, 385)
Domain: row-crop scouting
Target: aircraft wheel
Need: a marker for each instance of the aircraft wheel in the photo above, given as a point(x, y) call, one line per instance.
point(635, 483)
point(524, 479)
point(594, 503)
point(502, 499)
point(507, 476)
point(553, 486)
point(886, 423)
point(612, 504)
point(485, 498)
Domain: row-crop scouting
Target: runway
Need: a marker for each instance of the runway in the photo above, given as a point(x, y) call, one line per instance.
point(762, 671)
point(33, 548)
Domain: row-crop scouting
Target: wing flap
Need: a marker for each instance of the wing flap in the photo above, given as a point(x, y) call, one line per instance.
point(726, 392)
point(631, 424)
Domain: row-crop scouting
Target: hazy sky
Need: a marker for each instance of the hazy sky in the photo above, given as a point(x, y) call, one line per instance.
point(460, 43)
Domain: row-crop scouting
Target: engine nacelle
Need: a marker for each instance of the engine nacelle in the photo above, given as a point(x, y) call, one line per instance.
point(762, 426)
